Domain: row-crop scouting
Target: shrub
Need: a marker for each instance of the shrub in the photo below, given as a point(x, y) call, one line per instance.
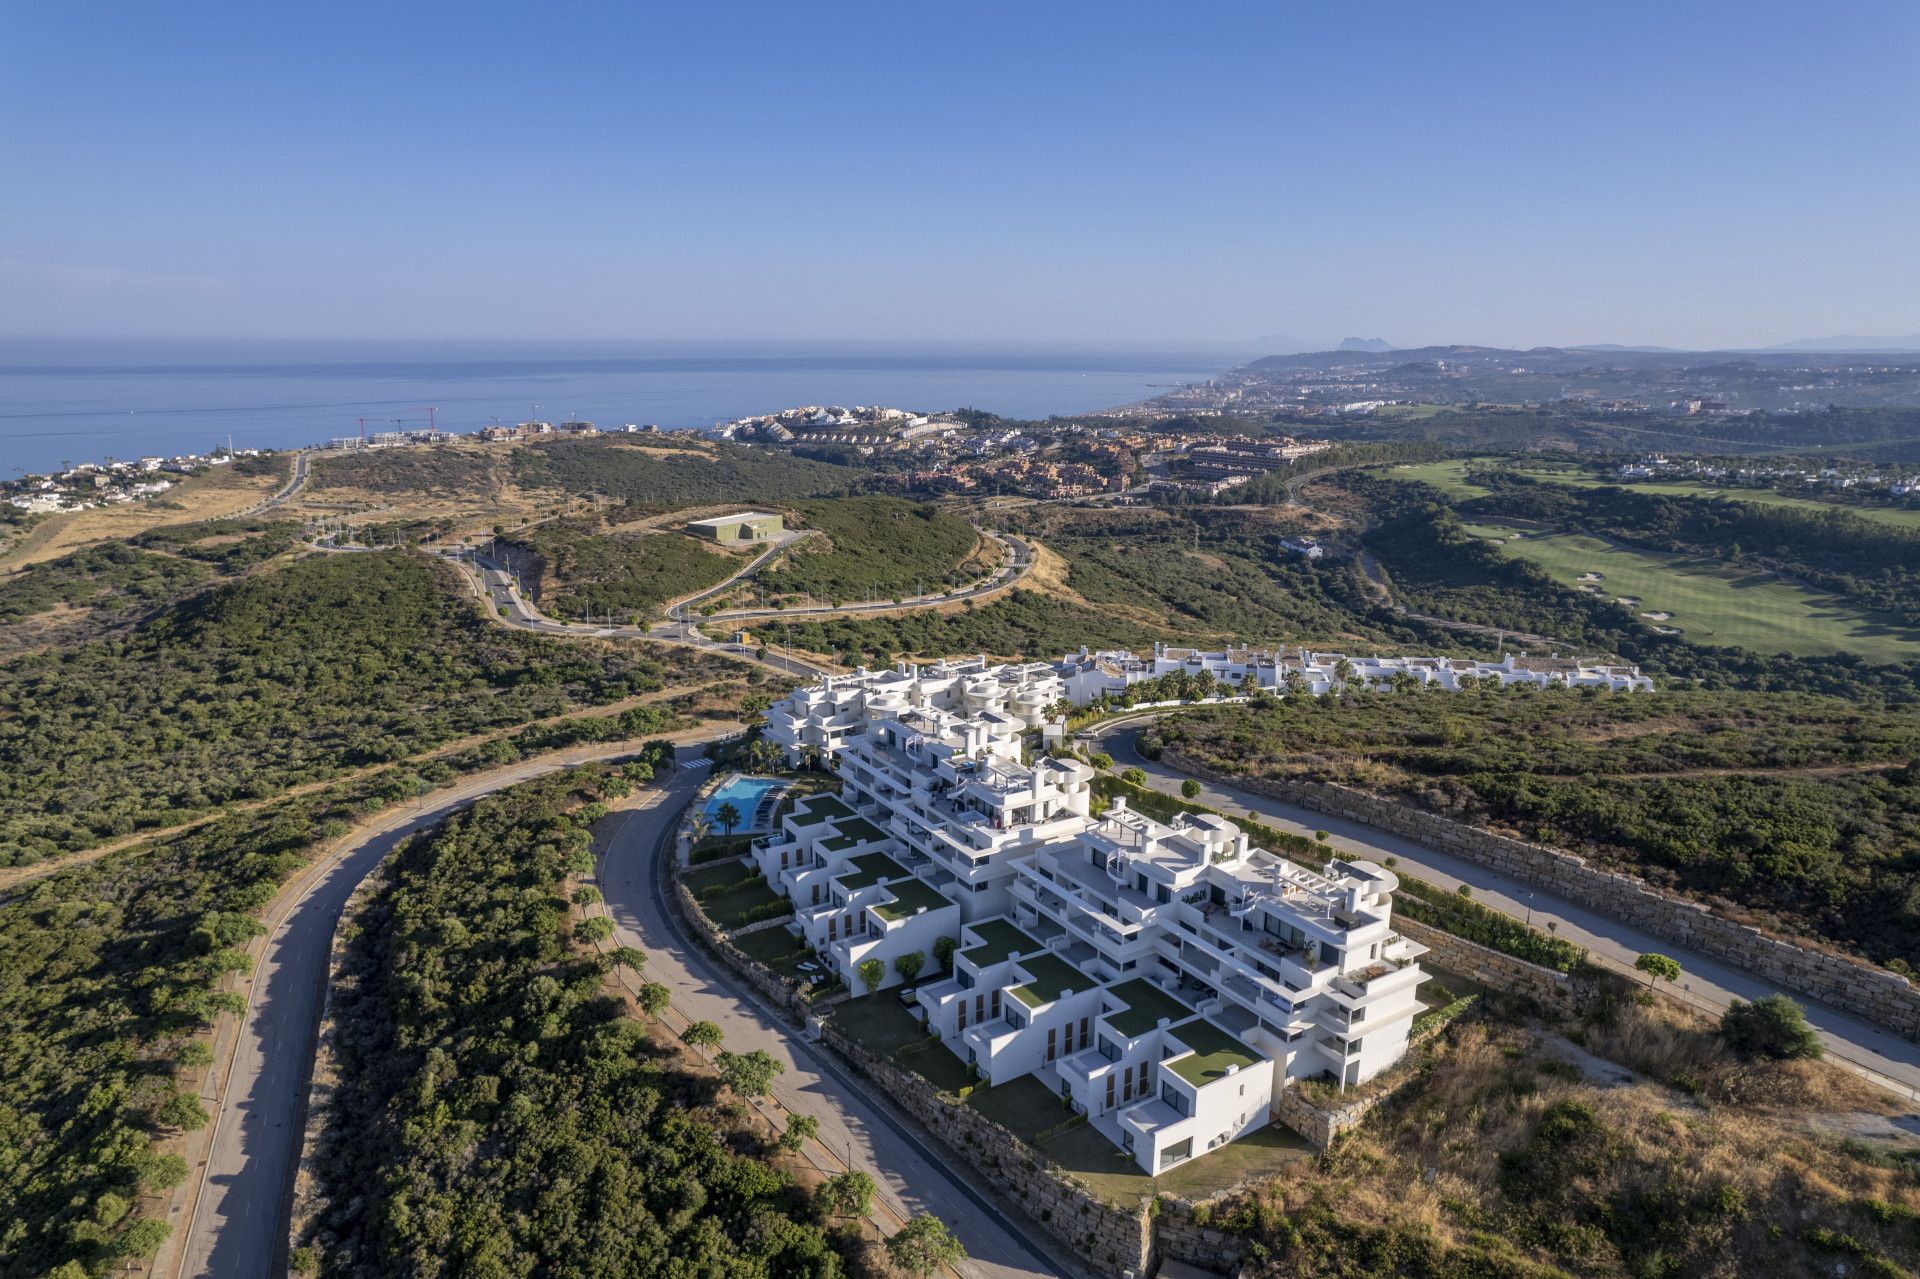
point(1773, 1027)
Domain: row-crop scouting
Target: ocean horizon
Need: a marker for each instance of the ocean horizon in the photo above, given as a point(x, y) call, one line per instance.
point(71, 400)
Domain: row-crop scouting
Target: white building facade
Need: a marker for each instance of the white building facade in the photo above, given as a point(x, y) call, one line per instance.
point(1166, 979)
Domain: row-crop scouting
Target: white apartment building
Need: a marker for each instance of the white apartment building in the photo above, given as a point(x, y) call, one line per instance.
point(1168, 979)
point(1087, 675)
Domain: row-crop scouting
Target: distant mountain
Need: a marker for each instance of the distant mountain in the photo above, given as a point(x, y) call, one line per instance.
point(1364, 344)
point(1864, 345)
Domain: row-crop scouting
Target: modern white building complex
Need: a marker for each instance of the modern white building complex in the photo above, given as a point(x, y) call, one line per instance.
point(1088, 675)
point(1169, 979)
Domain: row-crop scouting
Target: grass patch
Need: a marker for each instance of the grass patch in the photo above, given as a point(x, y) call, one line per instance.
point(1024, 1106)
point(1110, 1173)
point(879, 1023)
point(1713, 603)
point(733, 894)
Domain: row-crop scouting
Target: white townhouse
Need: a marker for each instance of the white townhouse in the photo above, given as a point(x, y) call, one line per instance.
point(1166, 979)
point(1088, 675)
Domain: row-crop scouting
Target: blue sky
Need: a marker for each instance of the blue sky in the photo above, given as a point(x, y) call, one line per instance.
point(1691, 174)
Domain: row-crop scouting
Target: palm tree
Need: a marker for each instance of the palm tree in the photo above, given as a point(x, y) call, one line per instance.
point(810, 757)
point(699, 828)
point(1343, 671)
point(728, 815)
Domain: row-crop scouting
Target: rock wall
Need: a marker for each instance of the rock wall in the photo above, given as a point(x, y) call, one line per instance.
point(1487, 966)
point(1882, 997)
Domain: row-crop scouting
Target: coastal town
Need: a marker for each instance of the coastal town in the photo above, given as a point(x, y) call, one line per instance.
point(111, 483)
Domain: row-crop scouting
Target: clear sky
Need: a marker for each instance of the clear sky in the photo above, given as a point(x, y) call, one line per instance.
point(1682, 173)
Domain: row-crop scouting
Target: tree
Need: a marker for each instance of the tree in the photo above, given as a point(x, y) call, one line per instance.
point(593, 931)
point(628, 957)
point(703, 1034)
point(1773, 1027)
point(1190, 788)
point(872, 973)
point(1134, 776)
point(1101, 760)
point(195, 1054)
point(142, 1239)
point(585, 895)
point(943, 948)
point(749, 1074)
point(727, 815)
point(909, 965)
point(923, 1246)
point(800, 1129)
point(183, 1111)
point(699, 828)
point(654, 999)
point(849, 1194)
point(1658, 967)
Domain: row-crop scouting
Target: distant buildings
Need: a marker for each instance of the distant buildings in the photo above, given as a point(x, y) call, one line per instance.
point(747, 526)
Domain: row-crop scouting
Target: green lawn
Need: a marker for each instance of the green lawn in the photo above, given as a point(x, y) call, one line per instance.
point(1110, 1173)
point(1450, 477)
point(730, 909)
point(1023, 1106)
point(1713, 603)
point(880, 1023)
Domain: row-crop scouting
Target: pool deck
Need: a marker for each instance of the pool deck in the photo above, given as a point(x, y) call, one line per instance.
point(761, 818)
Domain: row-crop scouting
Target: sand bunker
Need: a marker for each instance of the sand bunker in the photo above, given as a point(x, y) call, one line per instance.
point(1658, 616)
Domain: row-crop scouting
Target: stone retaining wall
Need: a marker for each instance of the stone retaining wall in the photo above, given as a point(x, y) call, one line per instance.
point(1487, 966)
point(1879, 996)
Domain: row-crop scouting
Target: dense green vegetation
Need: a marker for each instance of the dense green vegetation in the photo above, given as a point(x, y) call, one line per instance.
point(1019, 623)
point(330, 663)
point(872, 548)
point(111, 972)
point(1803, 809)
point(579, 564)
point(154, 568)
point(497, 1112)
point(677, 473)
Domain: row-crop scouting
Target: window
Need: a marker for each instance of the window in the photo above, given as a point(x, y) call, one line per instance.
point(833, 928)
point(963, 1013)
point(816, 894)
point(1176, 1153)
point(995, 1005)
point(1146, 1078)
point(1109, 1049)
point(1162, 893)
point(1083, 1032)
point(1178, 1101)
point(1110, 1087)
point(1053, 1044)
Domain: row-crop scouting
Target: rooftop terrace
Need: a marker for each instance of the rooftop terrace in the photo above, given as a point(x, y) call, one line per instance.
point(818, 809)
point(1000, 940)
point(909, 895)
point(1052, 978)
point(1214, 1050)
point(869, 870)
point(1145, 1004)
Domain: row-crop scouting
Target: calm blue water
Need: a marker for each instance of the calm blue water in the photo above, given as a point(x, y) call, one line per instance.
point(87, 400)
point(745, 794)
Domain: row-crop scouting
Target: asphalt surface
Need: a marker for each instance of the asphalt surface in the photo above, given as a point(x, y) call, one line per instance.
point(239, 1222)
point(1706, 981)
point(913, 1174)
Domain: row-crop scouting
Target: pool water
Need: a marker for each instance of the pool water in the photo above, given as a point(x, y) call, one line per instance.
point(746, 794)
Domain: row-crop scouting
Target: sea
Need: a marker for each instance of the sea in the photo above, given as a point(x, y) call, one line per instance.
point(70, 400)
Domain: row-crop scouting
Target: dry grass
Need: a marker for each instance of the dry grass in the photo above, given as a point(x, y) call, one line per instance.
point(220, 494)
point(1726, 1178)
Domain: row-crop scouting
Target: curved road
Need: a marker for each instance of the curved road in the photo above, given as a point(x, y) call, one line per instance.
point(914, 1176)
point(238, 1222)
point(1706, 981)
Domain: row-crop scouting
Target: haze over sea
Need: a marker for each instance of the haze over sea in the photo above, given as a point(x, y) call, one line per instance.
point(82, 400)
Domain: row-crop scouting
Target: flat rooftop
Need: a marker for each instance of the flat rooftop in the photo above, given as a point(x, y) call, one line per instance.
point(1052, 977)
point(852, 834)
point(1145, 1004)
point(1214, 1050)
point(909, 895)
point(864, 872)
point(819, 808)
point(1000, 940)
point(718, 520)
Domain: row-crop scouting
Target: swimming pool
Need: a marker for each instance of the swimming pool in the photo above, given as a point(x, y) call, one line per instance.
point(754, 798)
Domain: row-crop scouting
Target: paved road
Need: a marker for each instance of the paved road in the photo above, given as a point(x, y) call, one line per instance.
point(1709, 982)
point(506, 606)
point(238, 1225)
point(301, 463)
point(1018, 564)
point(913, 1177)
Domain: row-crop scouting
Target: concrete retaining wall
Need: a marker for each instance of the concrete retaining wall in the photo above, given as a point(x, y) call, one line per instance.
point(1879, 996)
